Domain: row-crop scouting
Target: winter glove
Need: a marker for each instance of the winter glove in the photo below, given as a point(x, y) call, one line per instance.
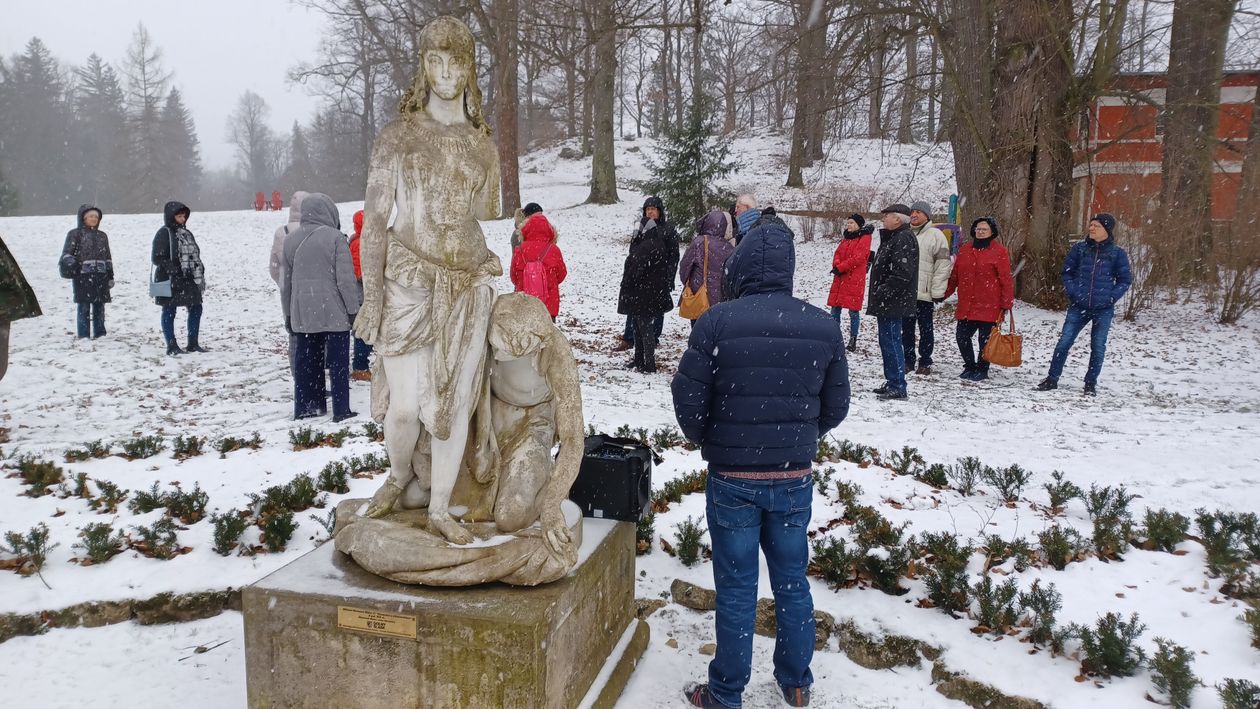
point(835, 272)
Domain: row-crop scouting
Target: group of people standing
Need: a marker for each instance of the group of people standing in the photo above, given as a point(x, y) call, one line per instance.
point(178, 278)
point(912, 272)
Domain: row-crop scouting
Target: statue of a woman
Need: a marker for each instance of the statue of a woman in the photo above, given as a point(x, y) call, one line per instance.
point(428, 279)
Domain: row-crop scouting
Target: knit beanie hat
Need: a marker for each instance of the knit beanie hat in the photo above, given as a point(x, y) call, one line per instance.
point(531, 209)
point(921, 206)
point(1108, 222)
point(859, 219)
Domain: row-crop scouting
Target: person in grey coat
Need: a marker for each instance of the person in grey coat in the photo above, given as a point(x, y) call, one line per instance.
point(320, 298)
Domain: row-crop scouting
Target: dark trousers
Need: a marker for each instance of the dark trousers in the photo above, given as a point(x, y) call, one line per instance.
point(93, 313)
point(645, 341)
point(658, 327)
point(362, 351)
point(4, 347)
point(892, 353)
point(968, 329)
point(315, 352)
point(168, 322)
point(927, 338)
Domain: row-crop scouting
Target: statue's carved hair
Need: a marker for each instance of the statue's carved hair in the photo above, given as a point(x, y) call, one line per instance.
point(447, 34)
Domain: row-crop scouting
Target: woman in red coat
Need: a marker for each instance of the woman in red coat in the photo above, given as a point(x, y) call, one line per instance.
point(982, 277)
point(849, 268)
point(538, 244)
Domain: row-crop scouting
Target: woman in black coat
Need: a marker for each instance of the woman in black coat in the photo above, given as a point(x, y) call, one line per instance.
point(177, 259)
point(648, 280)
point(85, 259)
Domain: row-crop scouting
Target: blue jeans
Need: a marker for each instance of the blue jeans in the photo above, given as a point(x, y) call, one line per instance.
point(772, 515)
point(927, 336)
point(315, 352)
point(628, 335)
point(893, 353)
point(168, 322)
point(95, 313)
point(1075, 321)
point(855, 320)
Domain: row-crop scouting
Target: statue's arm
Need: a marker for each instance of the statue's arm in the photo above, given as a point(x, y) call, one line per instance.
point(377, 205)
point(489, 199)
point(562, 376)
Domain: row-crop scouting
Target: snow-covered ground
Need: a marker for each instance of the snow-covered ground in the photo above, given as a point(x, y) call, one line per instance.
point(1175, 421)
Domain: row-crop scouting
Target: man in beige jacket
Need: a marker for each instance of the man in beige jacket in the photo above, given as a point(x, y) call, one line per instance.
point(934, 268)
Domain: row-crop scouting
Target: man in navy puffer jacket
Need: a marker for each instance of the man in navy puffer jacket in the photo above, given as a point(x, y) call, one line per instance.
point(1095, 275)
point(763, 378)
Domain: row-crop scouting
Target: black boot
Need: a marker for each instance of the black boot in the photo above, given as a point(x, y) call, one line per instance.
point(1047, 384)
point(852, 346)
point(194, 346)
point(172, 348)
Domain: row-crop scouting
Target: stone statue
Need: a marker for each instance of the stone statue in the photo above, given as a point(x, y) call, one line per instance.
point(534, 399)
point(428, 280)
point(471, 410)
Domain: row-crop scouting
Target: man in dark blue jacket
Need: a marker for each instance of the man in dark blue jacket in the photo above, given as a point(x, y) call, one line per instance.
point(1095, 275)
point(763, 378)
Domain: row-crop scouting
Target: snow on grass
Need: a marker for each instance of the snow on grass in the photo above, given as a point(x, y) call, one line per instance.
point(1175, 421)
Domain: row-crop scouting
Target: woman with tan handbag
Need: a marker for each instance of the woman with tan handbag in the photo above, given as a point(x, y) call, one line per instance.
point(986, 291)
point(700, 269)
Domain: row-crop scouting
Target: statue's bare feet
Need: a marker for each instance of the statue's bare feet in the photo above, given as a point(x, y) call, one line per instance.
point(384, 499)
point(442, 525)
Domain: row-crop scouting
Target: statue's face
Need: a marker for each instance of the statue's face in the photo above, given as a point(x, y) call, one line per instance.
point(447, 74)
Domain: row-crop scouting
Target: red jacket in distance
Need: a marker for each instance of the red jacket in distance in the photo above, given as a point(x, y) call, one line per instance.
point(848, 289)
point(354, 244)
point(982, 277)
point(539, 242)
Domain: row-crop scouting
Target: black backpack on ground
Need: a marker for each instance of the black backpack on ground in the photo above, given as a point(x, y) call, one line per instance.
point(615, 480)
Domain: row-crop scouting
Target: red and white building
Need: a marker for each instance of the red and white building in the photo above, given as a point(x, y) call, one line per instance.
point(1119, 160)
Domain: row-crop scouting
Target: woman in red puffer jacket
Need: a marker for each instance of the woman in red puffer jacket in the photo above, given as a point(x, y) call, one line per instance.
point(982, 277)
point(539, 244)
point(849, 268)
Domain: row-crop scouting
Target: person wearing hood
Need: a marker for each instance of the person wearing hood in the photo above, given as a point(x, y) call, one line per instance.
point(705, 258)
point(539, 245)
point(986, 291)
point(519, 217)
point(1096, 275)
point(277, 239)
point(934, 268)
point(848, 268)
point(894, 278)
point(362, 351)
point(85, 259)
point(177, 259)
point(320, 297)
point(17, 301)
point(763, 379)
point(647, 281)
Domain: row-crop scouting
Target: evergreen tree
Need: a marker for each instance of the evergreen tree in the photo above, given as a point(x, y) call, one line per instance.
point(181, 165)
point(9, 202)
point(37, 158)
point(100, 133)
point(692, 159)
point(146, 86)
point(300, 173)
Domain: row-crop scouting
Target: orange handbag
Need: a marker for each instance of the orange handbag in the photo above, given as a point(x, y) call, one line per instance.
point(1004, 350)
point(694, 303)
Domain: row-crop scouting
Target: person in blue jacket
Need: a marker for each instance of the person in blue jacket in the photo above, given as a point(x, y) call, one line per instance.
point(1095, 275)
point(764, 377)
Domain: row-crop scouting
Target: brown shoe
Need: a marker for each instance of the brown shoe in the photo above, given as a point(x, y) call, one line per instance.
point(361, 375)
point(622, 345)
point(923, 371)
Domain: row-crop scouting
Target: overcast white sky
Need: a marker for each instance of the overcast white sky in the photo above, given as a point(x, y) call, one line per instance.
point(216, 48)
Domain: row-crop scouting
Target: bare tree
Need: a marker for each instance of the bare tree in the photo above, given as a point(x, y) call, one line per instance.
point(248, 132)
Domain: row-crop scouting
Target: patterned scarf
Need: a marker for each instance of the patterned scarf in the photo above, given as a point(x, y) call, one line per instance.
point(190, 256)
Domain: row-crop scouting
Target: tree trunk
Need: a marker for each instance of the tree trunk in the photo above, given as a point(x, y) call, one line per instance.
point(1196, 57)
point(933, 87)
point(969, 85)
point(905, 127)
point(506, 62)
point(806, 94)
point(603, 94)
point(875, 117)
point(662, 109)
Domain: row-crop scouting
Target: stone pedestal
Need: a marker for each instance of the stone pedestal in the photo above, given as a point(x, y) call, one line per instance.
point(322, 632)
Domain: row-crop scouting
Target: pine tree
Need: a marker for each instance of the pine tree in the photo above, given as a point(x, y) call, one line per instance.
point(693, 158)
point(181, 169)
point(37, 158)
point(300, 173)
point(100, 133)
point(9, 203)
point(146, 85)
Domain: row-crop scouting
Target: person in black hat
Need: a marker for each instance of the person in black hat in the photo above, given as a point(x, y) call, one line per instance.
point(894, 282)
point(1096, 275)
point(521, 216)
